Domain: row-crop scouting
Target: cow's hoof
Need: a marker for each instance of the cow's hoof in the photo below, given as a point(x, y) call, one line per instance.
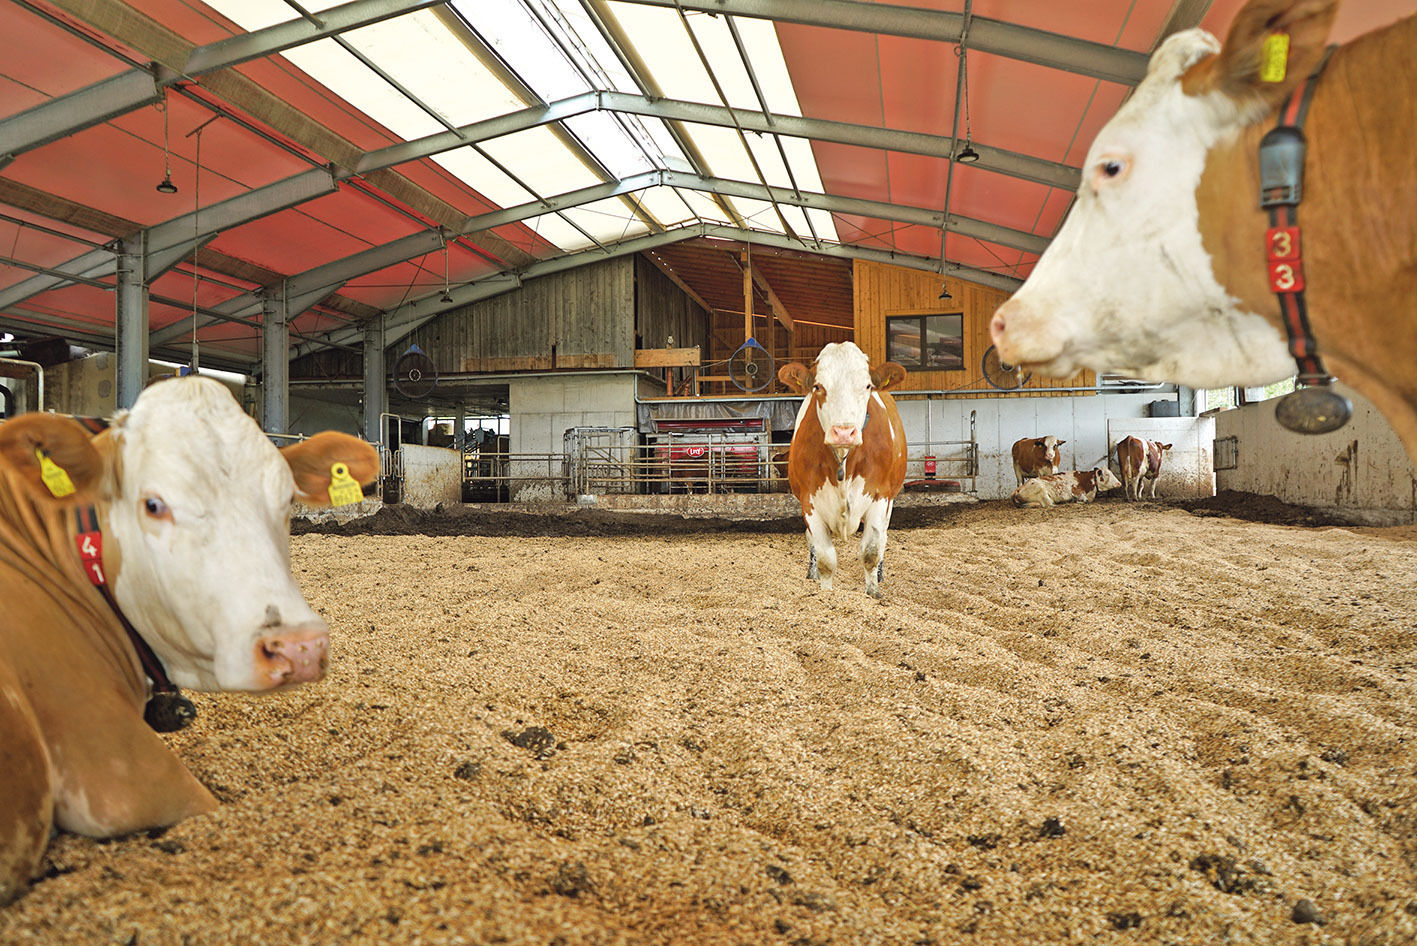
point(875, 593)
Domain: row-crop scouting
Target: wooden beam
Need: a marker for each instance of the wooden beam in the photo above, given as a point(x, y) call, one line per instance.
point(674, 278)
point(778, 309)
point(667, 357)
point(747, 266)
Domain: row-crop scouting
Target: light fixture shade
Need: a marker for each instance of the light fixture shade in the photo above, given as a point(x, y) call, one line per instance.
point(945, 291)
point(446, 296)
point(167, 187)
point(968, 155)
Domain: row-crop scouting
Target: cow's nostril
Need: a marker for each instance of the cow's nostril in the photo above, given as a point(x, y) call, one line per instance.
point(996, 327)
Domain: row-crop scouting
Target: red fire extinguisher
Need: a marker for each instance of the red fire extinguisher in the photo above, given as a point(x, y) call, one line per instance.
point(929, 468)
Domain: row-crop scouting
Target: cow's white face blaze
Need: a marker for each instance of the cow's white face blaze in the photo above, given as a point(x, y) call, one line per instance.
point(1127, 284)
point(200, 515)
point(842, 394)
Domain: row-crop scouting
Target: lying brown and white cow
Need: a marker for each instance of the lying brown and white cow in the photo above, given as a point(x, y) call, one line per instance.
point(1140, 463)
point(176, 518)
point(1080, 486)
point(1036, 456)
point(847, 460)
point(1160, 270)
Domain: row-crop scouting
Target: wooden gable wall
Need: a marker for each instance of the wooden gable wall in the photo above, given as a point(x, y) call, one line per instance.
point(881, 290)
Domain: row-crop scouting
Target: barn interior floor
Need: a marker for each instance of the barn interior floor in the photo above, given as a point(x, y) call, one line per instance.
point(1112, 722)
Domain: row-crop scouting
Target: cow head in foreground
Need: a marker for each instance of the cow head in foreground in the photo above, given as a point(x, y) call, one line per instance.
point(180, 510)
point(1136, 280)
point(196, 540)
point(847, 460)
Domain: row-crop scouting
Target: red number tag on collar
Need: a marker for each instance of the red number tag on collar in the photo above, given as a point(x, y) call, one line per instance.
point(1286, 277)
point(1281, 243)
point(90, 545)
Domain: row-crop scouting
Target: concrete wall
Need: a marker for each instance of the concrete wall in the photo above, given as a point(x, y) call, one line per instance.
point(431, 475)
point(1188, 468)
point(1360, 470)
point(999, 421)
point(544, 407)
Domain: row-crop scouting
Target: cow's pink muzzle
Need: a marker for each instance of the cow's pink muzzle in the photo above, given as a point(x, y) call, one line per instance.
point(295, 655)
point(844, 435)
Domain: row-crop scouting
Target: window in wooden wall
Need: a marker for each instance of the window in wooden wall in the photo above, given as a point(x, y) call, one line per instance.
point(926, 341)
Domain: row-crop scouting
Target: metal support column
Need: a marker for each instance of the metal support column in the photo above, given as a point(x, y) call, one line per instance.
point(376, 394)
point(275, 364)
point(132, 317)
point(460, 429)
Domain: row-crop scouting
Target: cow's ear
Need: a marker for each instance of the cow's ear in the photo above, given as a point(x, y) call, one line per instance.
point(1272, 46)
point(796, 376)
point(52, 454)
point(1060, 443)
point(887, 375)
point(313, 462)
point(1165, 446)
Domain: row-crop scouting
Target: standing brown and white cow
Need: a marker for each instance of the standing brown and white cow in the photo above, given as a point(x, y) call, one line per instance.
point(1160, 270)
point(847, 460)
point(1036, 456)
point(176, 521)
point(1140, 463)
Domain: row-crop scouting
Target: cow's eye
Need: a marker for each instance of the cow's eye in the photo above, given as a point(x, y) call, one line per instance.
point(156, 508)
point(1110, 169)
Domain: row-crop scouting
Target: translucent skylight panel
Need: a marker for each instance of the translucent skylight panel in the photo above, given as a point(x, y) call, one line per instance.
point(540, 161)
point(664, 46)
point(667, 207)
point(524, 43)
point(608, 140)
point(258, 14)
point(769, 161)
point(600, 60)
point(425, 57)
point(484, 177)
point(825, 225)
point(608, 221)
point(758, 213)
point(340, 72)
point(558, 232)
point(716, 44)
point(704, 205)
point(723, 151)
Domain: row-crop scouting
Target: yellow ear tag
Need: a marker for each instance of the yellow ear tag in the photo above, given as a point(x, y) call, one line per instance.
point(1274, 58)
point(54, 476)
point(344, 491)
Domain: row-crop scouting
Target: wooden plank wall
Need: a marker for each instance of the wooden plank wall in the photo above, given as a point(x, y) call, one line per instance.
point(881, 290)
point(582, 318)
point(663, 310)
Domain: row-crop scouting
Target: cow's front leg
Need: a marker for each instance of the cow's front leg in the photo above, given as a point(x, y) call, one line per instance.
point(873, 544)
point(811, 559)
point(822, 551)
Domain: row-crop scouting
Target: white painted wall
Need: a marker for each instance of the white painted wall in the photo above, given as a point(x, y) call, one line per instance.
point(1187, 470)
point(1360, 469)
point(999, 421)
point(544, 407)
point(431, 475)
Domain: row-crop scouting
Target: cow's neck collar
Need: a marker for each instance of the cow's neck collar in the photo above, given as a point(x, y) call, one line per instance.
point(167, 710)
point(1314, 407)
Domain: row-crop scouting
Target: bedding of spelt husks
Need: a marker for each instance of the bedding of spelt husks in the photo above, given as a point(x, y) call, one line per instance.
point(1111, 723)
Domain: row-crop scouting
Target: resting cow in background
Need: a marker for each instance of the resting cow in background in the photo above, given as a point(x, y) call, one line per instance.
point(847, 460)
point(1073, 486)
point(1036, 456)
point(174, 522)
point(1140, 463)
point(1161, 270)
